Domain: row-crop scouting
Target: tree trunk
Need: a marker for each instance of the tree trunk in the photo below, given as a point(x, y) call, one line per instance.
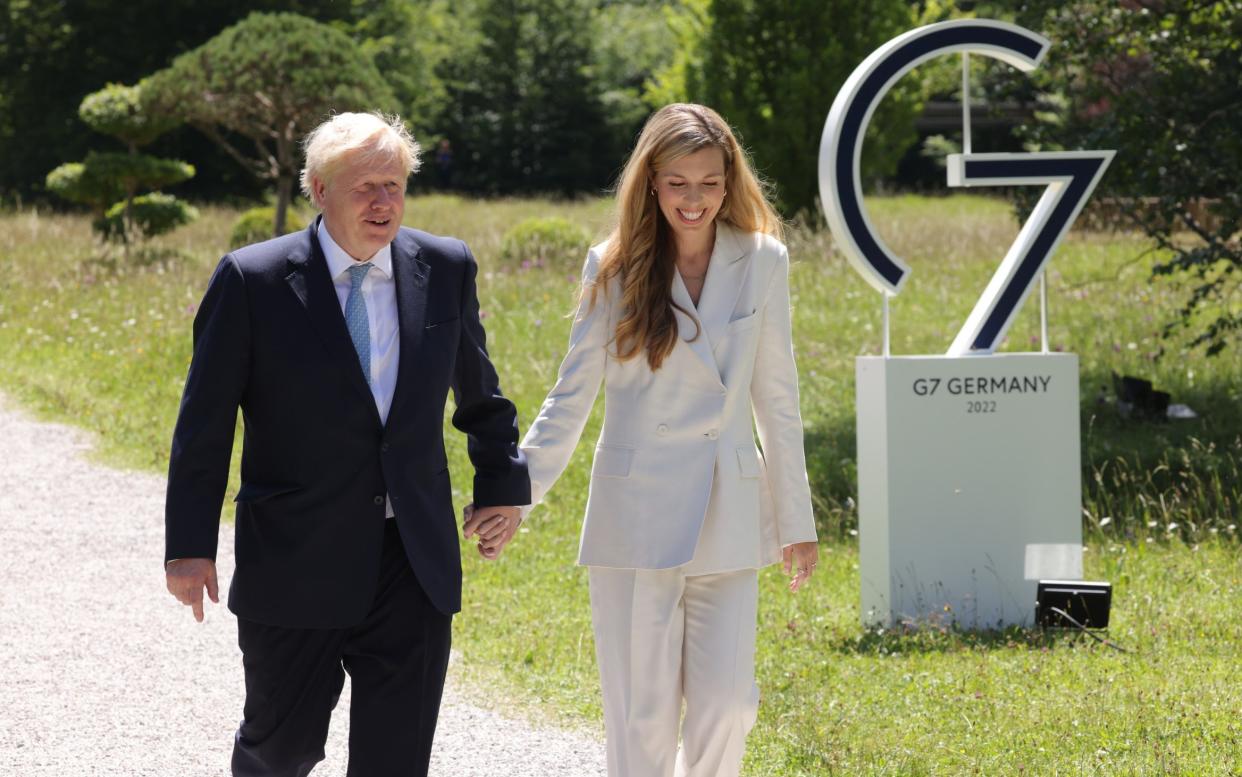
point(127, 218)
point(284, 193)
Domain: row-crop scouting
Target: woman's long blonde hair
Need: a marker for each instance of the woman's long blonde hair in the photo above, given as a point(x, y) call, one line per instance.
point(639, 253)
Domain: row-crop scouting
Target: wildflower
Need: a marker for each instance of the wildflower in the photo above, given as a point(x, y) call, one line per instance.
point(1106, 520)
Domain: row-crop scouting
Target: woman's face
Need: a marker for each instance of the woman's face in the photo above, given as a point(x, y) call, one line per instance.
point(691, 190)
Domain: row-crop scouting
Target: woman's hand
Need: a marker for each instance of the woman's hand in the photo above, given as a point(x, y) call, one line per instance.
point(800, 559)
point(494, 526)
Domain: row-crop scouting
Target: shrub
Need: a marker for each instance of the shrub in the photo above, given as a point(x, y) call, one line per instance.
point(152, 214)
point(542, 241)
point(75, 182)
point(255, 225)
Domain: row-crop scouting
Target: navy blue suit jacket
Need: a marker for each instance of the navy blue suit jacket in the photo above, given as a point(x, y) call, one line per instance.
point(270, 339)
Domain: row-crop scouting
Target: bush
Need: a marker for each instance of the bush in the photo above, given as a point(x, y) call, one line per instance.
point(542, 241)
point(153, 214)
point(75, 182)
point(255, 226)
point(132, 172)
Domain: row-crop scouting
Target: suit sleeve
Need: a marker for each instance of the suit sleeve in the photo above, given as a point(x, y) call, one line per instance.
point(552, 437)
point(202, 444)
point(774, 397)
point(487, 417)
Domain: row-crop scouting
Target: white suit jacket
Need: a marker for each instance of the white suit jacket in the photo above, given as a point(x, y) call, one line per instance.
point(676, 458)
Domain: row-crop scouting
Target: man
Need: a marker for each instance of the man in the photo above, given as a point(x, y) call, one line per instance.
point(340, 344)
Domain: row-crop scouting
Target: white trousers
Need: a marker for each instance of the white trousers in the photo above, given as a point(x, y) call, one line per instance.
point(660, 638)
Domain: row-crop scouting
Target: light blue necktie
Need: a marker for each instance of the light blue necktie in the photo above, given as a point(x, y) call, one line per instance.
point(356, 317)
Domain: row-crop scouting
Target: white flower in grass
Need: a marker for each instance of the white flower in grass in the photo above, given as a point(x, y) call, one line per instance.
point(1106, 520)
point(1171, 527)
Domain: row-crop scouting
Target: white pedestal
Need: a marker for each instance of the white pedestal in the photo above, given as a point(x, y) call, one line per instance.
point(969, 485)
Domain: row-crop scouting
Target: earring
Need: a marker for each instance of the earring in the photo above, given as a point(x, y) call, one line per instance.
point(653, 192)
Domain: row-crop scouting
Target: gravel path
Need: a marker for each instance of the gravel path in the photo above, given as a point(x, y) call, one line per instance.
point(105, 674)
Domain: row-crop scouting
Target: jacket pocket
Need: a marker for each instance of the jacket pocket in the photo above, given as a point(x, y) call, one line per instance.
point(748, 461)
point(254, 493)
point(741, 324)
point(612, 461)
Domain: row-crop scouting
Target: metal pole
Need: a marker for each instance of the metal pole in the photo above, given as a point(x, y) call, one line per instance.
point(887, 352)
point(965, 102)
point(1043, 311)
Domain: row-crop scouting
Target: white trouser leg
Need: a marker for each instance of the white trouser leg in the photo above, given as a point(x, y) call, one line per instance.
point(718, 677)
point(638, 618)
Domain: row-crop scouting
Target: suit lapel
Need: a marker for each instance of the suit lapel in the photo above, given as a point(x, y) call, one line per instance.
point(411, 276)
point(721, 287)
point(311, 282)
point(726, 274)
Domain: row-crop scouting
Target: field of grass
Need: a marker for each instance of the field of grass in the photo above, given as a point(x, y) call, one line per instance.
point(103, 343)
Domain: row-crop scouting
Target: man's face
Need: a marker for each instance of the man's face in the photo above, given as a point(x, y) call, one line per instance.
point(363, 204)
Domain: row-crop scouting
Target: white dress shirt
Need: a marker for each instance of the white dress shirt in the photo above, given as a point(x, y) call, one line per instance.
point(380, 293)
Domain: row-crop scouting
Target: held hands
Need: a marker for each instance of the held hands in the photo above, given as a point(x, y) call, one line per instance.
point(494, 526)
point(799, 561)
point(186, 578)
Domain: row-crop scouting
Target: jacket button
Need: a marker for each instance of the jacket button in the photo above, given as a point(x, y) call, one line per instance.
point(712, 434)
point(384, 448)
point(379, 500)
point(662, 429)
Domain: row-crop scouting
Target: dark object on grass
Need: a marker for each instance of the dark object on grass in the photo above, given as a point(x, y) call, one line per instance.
point(1072, 604)
point(1137, 399)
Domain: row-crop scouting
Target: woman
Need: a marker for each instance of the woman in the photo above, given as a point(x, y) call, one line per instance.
point(684, 317)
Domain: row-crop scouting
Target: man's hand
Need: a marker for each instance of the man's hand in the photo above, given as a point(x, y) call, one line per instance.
point(494, 526)
point(186, 578)
point(800, 559)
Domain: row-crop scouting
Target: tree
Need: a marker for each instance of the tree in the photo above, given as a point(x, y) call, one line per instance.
point(772, 68)
point(408, 42)
point(1160, 81)
point(53, 54)
point(268, 80)
point(632, 42)
point(117, 110)
point(523, 111)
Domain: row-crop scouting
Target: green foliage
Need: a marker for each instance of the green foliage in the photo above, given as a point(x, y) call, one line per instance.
point(523, 112)
point(689, 22)
point(131, 172)
point(52, 54)
point(255, 225)
point(772, 67)
point(149, 215)
point(632, 42)
point(269, 79)
point(102, 177)
point(408, 42)
point(117, 110)
point(1158, 82)
point(75, 182)
point(545, 241)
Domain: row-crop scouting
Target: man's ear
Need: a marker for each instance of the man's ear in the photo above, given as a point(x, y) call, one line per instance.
point(318, 187)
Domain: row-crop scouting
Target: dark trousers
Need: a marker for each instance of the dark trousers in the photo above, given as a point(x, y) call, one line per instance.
point(396, 659)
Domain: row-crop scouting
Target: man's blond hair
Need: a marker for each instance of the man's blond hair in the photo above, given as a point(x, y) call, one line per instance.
point(370, 138)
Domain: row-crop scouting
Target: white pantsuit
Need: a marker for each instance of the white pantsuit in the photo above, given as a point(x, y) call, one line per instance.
point(683, 507)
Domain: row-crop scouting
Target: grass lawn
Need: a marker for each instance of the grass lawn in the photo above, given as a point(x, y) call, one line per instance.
point(101, 342)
